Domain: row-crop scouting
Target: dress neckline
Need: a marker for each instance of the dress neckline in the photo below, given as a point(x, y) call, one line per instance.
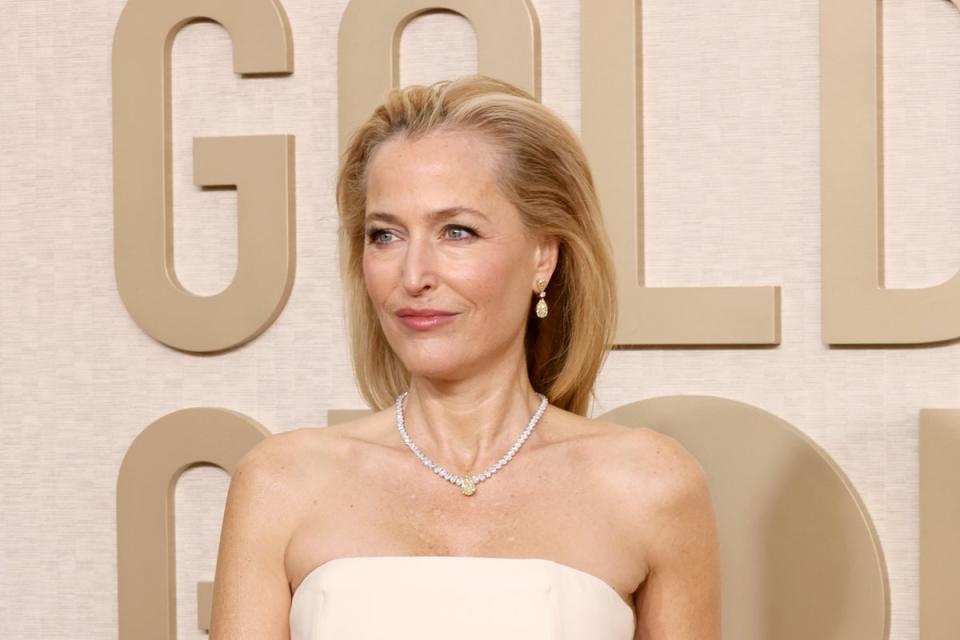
point(597, 580)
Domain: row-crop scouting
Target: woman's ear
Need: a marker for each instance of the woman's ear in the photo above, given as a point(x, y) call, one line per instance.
point(548, 249)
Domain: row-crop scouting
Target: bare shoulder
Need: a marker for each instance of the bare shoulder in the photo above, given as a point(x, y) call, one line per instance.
point(637, 450)
point(642, 466)
point(305, 449)
point(664, 507)
point(272, 489)
point(277, 460)
point(675, 483)
point(265, 500)
point(267, 477)
point(659, 459)
point(666, 512)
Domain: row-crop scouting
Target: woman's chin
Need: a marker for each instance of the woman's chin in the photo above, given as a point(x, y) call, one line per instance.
point(439, 374)
point(439, 367)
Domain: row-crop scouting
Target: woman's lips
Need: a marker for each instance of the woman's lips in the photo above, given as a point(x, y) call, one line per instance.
point(424, 319)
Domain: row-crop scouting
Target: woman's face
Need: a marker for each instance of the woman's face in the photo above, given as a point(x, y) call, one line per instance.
point(447, 262)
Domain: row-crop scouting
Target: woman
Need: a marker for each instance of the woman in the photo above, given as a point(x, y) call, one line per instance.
point(478, 277)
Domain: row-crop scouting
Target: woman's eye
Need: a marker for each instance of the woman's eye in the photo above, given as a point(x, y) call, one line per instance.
point(380, 236)
point(459, 233)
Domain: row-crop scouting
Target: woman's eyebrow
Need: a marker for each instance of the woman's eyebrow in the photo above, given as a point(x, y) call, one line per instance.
point(439, 214)
point(381, 216)
point(449, 212)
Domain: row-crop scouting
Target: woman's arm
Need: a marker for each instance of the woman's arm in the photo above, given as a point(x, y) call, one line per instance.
point(680, 599)
point(251, 595)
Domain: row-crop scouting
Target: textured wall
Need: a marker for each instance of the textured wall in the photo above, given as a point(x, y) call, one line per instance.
point(732, 196)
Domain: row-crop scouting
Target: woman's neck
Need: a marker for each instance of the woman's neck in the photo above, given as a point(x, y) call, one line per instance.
point(467, 425)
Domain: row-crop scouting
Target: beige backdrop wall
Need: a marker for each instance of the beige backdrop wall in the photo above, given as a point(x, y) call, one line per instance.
point(732, 198)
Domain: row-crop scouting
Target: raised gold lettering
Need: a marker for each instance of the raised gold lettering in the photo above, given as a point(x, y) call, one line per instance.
point(857, 308)
point(612, 130)
point(261, 167)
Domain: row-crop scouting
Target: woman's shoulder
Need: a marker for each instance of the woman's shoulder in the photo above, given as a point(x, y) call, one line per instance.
point(646, 480)
point(313, 447)
point(635, 456)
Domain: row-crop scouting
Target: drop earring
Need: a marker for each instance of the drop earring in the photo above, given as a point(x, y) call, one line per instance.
point(542, 303)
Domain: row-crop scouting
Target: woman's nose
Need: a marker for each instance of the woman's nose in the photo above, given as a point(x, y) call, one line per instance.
point(419, 269)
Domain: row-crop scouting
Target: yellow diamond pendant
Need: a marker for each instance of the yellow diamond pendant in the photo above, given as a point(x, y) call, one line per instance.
point(542, 308)
point(468, 488)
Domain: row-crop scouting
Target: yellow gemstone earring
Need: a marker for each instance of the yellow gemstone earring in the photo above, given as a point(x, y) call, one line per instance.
point(542, 303)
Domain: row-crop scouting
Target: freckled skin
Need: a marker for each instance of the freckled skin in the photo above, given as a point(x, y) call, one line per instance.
point(487, 279)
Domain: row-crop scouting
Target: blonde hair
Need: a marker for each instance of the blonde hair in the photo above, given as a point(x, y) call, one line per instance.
point(546, 177)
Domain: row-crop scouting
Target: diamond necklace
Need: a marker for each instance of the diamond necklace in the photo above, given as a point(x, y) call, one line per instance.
point(467, 483)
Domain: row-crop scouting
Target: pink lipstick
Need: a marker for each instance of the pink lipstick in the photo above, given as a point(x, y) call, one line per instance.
point(424, 319)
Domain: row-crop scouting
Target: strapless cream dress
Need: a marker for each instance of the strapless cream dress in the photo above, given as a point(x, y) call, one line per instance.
point(461, 597)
